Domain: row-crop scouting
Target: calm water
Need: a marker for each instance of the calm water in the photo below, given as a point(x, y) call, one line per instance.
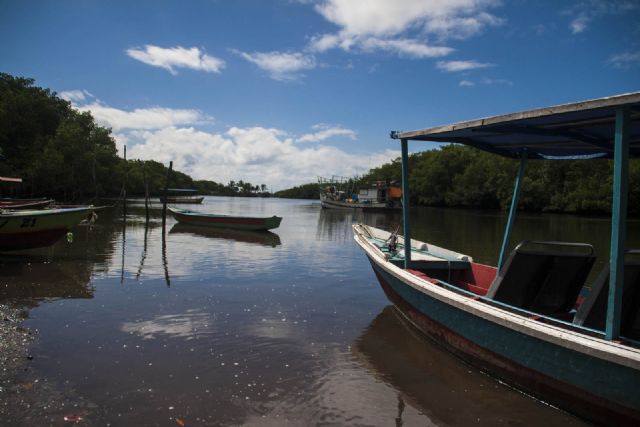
point(208, 327)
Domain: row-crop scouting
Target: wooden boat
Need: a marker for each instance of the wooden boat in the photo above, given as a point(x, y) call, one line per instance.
point(378, 197)
point(225, 221)
point(7, 203)
point(531, 321)
point(182, 195)
point(183, 199)
point(29, 229)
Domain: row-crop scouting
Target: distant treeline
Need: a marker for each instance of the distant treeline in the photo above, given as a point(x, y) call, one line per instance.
point(62, 153)
point(461, 176)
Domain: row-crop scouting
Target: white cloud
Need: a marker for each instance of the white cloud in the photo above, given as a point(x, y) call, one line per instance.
point(177, 57)
point(326, 132)
point(407, 47)
point(467, 83)
point(281, 65)
point(453, 66)
point(257, 155)
point(625, 60)
point(254, 154)
point(75, 95)
point(143, 118)
point(384, 25)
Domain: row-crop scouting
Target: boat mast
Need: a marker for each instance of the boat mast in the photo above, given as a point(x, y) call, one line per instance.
point(618, 222)
point(514, 207)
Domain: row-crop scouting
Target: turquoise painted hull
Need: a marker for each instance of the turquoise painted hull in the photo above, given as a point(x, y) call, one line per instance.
point(588, 386)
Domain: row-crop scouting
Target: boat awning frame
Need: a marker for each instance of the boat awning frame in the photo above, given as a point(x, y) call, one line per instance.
point(581, 130)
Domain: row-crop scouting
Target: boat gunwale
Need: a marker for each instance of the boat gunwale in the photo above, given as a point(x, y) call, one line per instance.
point(593, 346)
point(6, 213)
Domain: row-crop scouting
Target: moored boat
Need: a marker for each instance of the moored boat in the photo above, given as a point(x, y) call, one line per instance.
point(532, 321)
point(225, 221)
point(8, 203)
point(182, 196)
point(28, 229)
point(336, 193)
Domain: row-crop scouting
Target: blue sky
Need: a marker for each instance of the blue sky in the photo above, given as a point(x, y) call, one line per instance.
point(281, 91)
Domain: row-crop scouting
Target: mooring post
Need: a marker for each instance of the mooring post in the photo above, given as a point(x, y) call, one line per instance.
point(164, 198)
point(146, 192)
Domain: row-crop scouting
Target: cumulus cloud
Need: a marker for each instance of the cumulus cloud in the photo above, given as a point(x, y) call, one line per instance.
point(384, 25)
point(281, 65)
point(254, 154)
point(177, 57)
point(325, 132)
point(453, 66)
point(143, 118)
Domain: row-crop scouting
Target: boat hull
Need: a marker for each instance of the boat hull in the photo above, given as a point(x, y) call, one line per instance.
point(365, 207)
point(590, 387)
point(226, 221)
point(35, 229)
point(183, 200)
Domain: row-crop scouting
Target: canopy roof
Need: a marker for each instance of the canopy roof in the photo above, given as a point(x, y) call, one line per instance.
point(570, 131)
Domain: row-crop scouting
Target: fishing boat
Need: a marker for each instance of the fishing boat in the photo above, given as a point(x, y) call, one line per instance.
point(186, 216)
point(531, 321)
point(9, 203)
point(183, 196)
point(28, 229)
point(338, 193)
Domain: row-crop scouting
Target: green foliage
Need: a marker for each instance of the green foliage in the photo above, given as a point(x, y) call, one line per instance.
point(305, 191)
point(62, 153)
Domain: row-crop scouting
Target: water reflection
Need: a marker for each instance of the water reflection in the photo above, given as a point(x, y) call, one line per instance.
point(335, 224)
point(25, 279)
point(264, 238)
point(435, 383)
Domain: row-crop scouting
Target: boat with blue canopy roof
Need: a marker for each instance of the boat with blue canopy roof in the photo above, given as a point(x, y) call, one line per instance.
point(532, 320)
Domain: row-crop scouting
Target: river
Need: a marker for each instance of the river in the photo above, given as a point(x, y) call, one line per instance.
point(206, 327)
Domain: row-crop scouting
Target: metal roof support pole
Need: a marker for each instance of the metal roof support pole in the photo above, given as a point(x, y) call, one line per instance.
point(512, 211)
point(405, 203)
point(618, 223)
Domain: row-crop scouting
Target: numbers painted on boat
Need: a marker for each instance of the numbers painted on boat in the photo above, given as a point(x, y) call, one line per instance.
point(28, 222)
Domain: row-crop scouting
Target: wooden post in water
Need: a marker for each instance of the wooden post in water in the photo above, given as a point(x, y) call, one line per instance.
point(164, 199)
point(146, 192)
point(124, 184)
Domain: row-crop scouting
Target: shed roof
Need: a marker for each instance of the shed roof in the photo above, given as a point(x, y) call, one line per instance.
point(570, 131)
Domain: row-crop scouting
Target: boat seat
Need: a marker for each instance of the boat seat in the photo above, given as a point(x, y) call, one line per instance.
point(545, 281)
point(592, 313)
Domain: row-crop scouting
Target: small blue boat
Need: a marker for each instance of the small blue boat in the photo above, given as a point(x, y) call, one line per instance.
point(531, 321)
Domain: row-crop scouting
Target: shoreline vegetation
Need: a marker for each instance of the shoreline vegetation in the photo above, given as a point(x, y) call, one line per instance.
point(62, 153)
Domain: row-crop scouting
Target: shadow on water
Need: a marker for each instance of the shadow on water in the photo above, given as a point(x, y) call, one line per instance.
point(437, 384)
point(264, 238)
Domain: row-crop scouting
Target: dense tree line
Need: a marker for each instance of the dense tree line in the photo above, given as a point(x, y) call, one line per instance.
point(62, 153)
point(461, 176)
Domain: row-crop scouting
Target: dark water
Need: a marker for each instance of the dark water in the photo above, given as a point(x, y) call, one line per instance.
point(214, 328)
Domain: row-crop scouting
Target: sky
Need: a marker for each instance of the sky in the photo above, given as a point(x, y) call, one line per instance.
point(279, 92)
